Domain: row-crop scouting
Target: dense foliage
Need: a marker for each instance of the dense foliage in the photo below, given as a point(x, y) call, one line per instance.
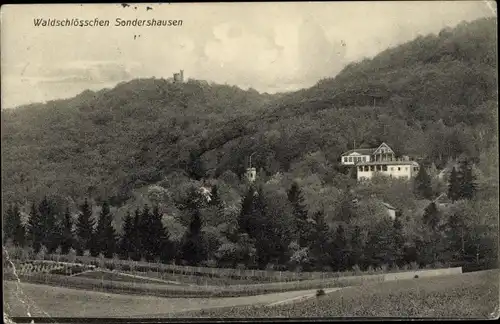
point(183, 149)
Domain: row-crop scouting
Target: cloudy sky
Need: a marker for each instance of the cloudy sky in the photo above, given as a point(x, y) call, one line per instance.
point(268, 46)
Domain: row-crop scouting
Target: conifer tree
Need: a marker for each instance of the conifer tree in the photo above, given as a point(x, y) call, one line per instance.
point(398, 240)
point(195, 166)
point(319, 240)
point(35, 229)
point(456, 234)
point(162, 248)
point(467, 186)
point(51, 231)
point(67, 240)
point(339, 249)
point(244, 219)
point(356, 244)
point(422, 184)
point(85, 228)
point(7, 224)
point(193, 250)
point(136, 237)
point(300, 215)
point(142, 233)
point(454, 185)
point(14, 228)
point(345, 210)
point(216, 200)
point(105, 236)
point(126, 246)
point(431, 216)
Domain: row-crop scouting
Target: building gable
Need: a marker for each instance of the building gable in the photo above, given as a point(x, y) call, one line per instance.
point(383, 148)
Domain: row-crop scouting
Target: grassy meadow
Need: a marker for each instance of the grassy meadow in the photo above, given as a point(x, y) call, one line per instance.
point(469, 295)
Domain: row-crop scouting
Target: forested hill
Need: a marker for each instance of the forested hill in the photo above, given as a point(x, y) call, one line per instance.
point(434, 98)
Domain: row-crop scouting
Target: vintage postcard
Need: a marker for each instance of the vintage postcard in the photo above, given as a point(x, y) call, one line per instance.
point(306, 160)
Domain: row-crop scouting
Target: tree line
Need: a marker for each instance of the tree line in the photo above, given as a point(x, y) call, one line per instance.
point(263, 236)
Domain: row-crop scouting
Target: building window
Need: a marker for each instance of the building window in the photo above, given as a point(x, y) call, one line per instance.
point(372, 168)
point(345, 158)
point(399, 168)
point(384, 168)
point(360, 168)
point(350, 159)
point(366, 168)
point(415, 169)
point(379, 168)
point(406, 169)
point(364, 158)
point(392, 168)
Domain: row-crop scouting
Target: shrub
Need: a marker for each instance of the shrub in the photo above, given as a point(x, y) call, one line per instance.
point(109, 265)
point(102, 261)
point(416, 276)
point(86, 253)
point(357, 269)
point(211, 263)
point(328, 268)
point(125, 267)
point(438, 265)
point(28, 253)
point(414, 266)
point(320, 292)
point(42, 253)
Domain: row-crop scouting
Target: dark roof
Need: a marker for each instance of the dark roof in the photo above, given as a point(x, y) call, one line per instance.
point(363, 151)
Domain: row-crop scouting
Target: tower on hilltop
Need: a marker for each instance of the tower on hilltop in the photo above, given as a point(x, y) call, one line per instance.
point(179, 77)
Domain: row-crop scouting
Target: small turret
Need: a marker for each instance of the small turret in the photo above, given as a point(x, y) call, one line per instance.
point(251, 174)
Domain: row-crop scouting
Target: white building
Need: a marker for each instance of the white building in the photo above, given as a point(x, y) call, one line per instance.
point(381, 153)
point(381, 160)
point(395, 169)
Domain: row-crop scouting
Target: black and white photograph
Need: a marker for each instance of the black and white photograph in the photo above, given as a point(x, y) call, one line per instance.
point(249, 161)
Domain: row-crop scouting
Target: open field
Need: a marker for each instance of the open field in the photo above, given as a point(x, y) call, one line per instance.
point(161, 289)
point(45, 300)
point(169, 289)
point(118, 276)
point(470, 295)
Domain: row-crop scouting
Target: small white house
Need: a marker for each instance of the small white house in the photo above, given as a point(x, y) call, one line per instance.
point(391, 210)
